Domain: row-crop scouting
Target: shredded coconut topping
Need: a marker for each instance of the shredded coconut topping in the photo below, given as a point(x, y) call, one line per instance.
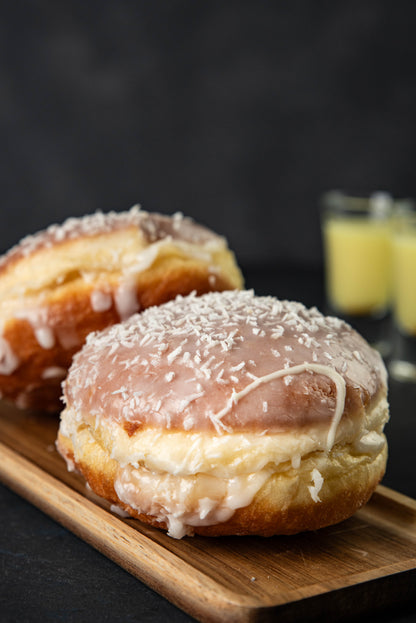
point(196, 364)
point(153, 226)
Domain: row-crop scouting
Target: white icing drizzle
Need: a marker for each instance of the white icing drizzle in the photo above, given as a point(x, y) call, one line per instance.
point(315, 488)
point(208, 343)
point(304, 367)
point(180, 503)
point(54, 372)
point(44, 337)
point(38, 320)
point(8, 360)
point(125, 299)
point(101, 301)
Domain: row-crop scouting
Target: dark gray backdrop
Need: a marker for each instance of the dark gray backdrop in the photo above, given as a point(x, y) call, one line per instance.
point(237, 113)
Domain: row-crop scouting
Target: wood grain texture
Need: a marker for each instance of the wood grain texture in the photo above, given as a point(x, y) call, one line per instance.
point(368, 561)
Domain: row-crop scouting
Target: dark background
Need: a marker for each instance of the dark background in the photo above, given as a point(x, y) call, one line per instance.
point(237, 113)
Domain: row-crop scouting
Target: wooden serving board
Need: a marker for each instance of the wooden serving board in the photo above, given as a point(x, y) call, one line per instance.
point(366, 562)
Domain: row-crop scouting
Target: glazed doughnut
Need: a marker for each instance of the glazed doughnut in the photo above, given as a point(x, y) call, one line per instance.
point(228, 413)
point(86, 274)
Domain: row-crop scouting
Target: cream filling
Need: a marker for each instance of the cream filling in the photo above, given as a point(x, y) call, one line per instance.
point(24, 302)
point(147, 257)
point(124, 252)
point(190, 479)
point(225, 455)
point(183, 503)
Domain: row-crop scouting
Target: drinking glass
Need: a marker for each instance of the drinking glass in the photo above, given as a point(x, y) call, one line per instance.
point(356, 232)
point(403, 361)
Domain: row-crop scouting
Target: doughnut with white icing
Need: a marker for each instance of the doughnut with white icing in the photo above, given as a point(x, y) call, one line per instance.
point(228, 413)
point(86, 274)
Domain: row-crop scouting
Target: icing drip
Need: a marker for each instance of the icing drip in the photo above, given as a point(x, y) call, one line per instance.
point(305, 367)
point(45, 337)
point(54, 372)
point(189, 501)
point(315, 488)
point(101, 301)
point(126, 299)
point(187, 364)
point(8, 360)
point(38, 320)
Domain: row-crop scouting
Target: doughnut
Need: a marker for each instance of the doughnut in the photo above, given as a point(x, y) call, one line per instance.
point(64, 282)
point(228, 414)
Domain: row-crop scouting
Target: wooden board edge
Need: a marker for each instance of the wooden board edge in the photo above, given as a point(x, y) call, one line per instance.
point(393, 510)
point(160, 569)
point(397, 497)
point(164, 571)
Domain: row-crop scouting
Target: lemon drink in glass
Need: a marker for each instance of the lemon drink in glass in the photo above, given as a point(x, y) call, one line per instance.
point(357, 244)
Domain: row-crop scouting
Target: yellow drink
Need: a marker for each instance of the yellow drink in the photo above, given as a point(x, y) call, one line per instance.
point(404, 262)
point(358, 264)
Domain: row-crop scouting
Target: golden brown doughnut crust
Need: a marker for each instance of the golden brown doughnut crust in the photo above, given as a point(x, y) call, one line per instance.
point(228, 414)
point(48, 284)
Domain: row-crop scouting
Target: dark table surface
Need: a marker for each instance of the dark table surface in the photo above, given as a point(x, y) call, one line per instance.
point(48, 574)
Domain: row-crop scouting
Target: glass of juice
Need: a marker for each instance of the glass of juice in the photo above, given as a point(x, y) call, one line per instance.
point(356, 232)
point(403, 362)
